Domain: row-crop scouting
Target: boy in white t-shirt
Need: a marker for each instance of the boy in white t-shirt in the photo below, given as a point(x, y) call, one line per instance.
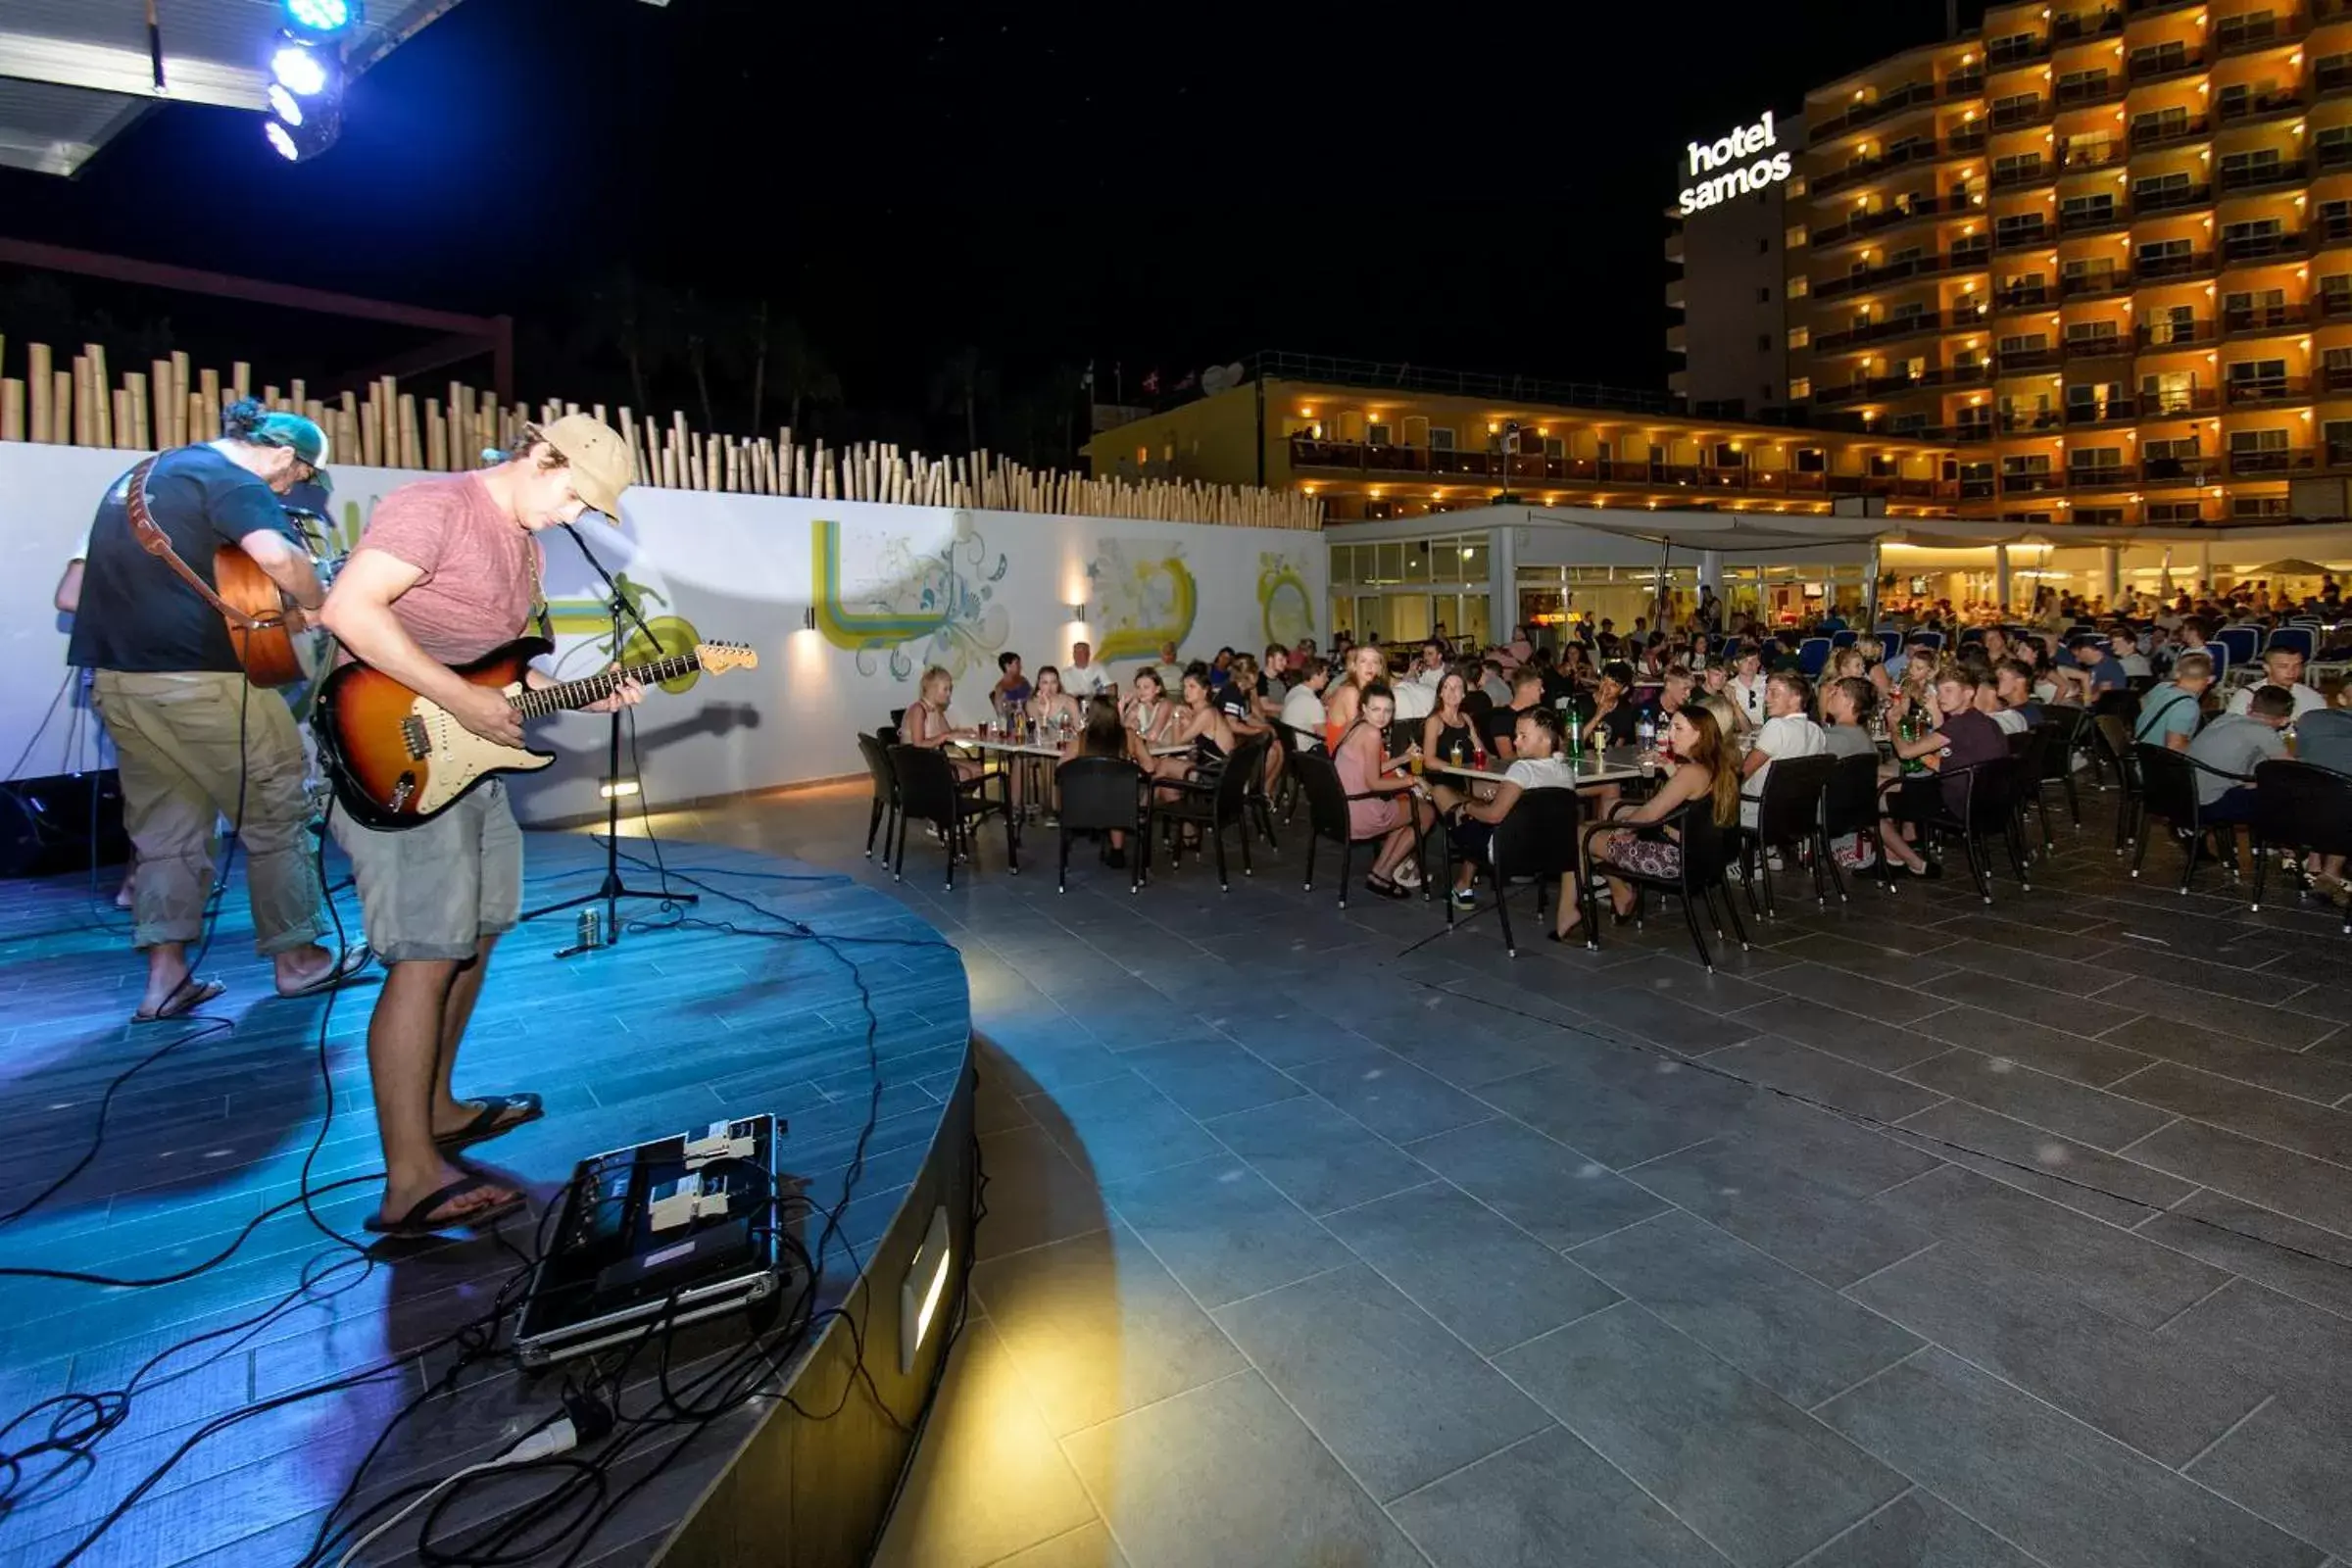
point(1535, 741)
point(1787, 731)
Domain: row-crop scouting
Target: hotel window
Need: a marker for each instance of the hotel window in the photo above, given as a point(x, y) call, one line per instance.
point(1763, 293)
point(2083, 86)
point(2086, 274)
point(2171, 460)
point(2336, 437)
point(1799, 286)
point(2017, 109)
point(1555, 447)
point(2087, 401)
point(2162, 125)
point(1441, 438)
point(1975, 416)
point(2334, 145)
point(2335, 294)
point(1378, 434)
point(1795, 236)
point(2255, 378)
point(1976, 479)
point(2335, 370)
point(2091, 151)
point(2031, 463)
point(1907, 423)
point(2173, 323)
point(2084, 212)
point(2234, 103)
point(2257, 450)
point(2253, 310)
point(2160, 191)
point(2247, 26)
point(2100, 517)
point(2262, 236)
point(2018, 229)
point(2335, 218)
point(2012, 168)
point(2180, 512)
point(2258, 506)
point(2093, 459)
point(2167, 392)
point(2159, 257)
point(2028, 346)
point(1800, 337)
point(1801, 388)
point(2332, 71)
point(2090, 337)
point(2154, 60)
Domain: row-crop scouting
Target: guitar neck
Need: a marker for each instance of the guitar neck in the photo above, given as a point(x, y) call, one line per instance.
point(533, 703)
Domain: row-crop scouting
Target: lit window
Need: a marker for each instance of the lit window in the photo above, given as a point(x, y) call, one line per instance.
point(1801, 388)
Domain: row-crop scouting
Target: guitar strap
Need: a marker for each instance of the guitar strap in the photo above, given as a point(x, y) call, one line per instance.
point(157, 543)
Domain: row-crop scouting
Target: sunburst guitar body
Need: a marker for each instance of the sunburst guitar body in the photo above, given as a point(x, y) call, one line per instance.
point(399, 760)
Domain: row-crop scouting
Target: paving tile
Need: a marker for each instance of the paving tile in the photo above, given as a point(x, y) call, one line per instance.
point(2032, 938)
point(2206, 975)
point(1393, 1097)
point(1779, 1210)
point(2056, 1052)
point(1468, 1267)
point(2304, 1075)
point(1679, 976)
point(2029, 1004)
point(1853, 993)
point(1229, 1474)
point(2052, 970)
point(1867, 1042)
point(1209, 1075)
point(2181, 1003)
point(1816, 1076)
point(1760, 1479)
point(1919, 1529)
point(992, 1480)
point(1088, 1546)
point(1557, 1194)
point(1472, 1057)
point(2320, 1131)
point(2268, 1247)
point(1318, 1156)
point(1868, 960)
point(1400, 1400)
point(2293, 1184)
point(2109, 1187)
point(1624, 1107)
point(1035, 1194)
point(1546, 1502)
point(2113, 1270)
point(1791, 1334)
point(2044, 1481)
point(2009, 1087)
point(1222, 1229)
point(1289, 1040)
point(1120, 1127)
point(2122, 1380)
point(1642, 1011)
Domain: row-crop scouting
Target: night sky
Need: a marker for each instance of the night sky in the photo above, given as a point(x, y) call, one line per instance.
point(1132, 186)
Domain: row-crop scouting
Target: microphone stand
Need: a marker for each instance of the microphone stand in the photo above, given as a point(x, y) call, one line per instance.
point(613, 889)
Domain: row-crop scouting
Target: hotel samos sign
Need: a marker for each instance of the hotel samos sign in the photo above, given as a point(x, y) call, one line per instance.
point(1717, 181)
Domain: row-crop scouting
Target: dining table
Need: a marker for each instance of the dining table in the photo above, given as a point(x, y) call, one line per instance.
point(1617, 765)
point(1030, 755)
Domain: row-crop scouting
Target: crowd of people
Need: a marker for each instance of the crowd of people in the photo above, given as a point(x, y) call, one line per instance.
point(1708, 709)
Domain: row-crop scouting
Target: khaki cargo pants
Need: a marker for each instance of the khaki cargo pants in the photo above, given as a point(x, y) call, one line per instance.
point(177, 737)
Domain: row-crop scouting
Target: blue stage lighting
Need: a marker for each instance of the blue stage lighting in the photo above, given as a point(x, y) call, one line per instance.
point(300, 68)
point(282, 141)
point(305, 97)
point(322, 18)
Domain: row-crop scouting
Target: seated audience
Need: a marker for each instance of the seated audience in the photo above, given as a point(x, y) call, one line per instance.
point(1535, 741)
point(1848, 703)
point(1527, 691)
point(1147, 711)
point(1303, 706)
point(1613, 717)
point(1958, 738)
point(1011, 688)
point(2125, 644)
point(1445, 732)
point(2229, 750)
point(1361, 761)
point(2283, 667)
point(1708, 770)
point(1787, 731)
point(1082, 677)
point(926, 723)
point(2170, 711)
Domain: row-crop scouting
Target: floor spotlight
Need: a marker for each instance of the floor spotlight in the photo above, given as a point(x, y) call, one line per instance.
point(305, 93)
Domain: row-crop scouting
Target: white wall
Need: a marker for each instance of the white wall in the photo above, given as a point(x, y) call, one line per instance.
point(912, 586)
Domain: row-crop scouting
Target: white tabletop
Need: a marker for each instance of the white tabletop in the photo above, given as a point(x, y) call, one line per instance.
point(1611, 767)
point(1012, 748)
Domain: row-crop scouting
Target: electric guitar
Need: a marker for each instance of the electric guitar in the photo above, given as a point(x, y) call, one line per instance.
point(399, 760)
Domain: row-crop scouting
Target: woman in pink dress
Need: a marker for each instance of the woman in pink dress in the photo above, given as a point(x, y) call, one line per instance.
point(1364, 769)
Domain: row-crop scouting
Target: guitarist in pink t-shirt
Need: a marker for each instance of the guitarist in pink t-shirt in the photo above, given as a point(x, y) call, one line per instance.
point(447, 570)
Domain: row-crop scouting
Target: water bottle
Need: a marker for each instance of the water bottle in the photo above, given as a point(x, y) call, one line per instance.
point(1646, 733)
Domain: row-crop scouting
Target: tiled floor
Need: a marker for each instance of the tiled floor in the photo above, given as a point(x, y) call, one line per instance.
point(1923, 1234)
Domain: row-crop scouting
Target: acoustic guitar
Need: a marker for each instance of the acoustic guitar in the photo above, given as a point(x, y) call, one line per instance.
point(254, 606)
point(399, 760)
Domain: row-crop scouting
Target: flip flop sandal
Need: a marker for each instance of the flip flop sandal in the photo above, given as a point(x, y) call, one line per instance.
point(185, 998)
point(492, 1120)
point(1386, 889)
point(417, 1223)
point(351, 962)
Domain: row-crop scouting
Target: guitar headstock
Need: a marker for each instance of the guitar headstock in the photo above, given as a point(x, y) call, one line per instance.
point(716, 658)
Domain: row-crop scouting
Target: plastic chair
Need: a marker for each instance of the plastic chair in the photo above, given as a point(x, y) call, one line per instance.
point(1706, 853)
point(2115, 741)
point(1849, 804)
point(1844, 639)
point(1104, 795)
point(1892, 641)
point(1535, 843)
point(2056, 763)
point(876, 752)
point(1788, 814)
point(1813, 656)
point(927, 789)
point(2302, 807)
point(1219, 801)
point(1327, 817)
point(1988, 797)
point(2167, 790)
point(1932, 639)
point(2299, 639)
point(2243, 643)
point(2218, 652)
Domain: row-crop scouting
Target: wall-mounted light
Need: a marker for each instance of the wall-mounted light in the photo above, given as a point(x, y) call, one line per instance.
point(618, 789)
point(920, 1291)
point(808, 618)
point(1076, 612)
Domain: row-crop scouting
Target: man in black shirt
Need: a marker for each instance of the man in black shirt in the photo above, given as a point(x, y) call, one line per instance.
point(1501, 723)
point(193, 739)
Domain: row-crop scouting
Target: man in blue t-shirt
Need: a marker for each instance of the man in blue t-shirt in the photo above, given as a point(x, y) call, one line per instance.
point(2170, 711)
point(193, 740)
point(2097, 660)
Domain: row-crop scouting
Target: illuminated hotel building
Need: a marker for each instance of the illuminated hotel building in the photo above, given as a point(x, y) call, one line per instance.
point(2103, 252)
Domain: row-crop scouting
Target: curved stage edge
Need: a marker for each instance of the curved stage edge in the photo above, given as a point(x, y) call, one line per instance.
point(673, 1027)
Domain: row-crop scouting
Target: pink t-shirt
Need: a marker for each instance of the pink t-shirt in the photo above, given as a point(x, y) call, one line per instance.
point(479, 565)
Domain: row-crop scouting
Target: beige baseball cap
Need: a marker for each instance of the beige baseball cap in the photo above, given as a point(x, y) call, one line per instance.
point(599, 460)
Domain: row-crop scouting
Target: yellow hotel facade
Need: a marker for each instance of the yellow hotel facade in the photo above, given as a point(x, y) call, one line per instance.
point(1376, 441)
point(2101, 249)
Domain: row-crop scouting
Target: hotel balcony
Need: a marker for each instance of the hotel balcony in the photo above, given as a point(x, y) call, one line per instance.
point(2105, 22)
point(1385, 462)
point(2256, 176)
point(2249, 33)
point(2145, 137)
point(1919, 324)
point(1869, 113)
point(1909, 212)
point(2269, 392)
point(2161, 62)
point(1822, 181)
point(2289, 459)
point(1882, 386)
point(1963, 257)
point(2160, 336)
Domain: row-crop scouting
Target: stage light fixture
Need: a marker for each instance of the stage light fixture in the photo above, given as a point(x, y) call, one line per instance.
point(920, 1291)
point(321, 20)
point(618, 789)
point(305, 96)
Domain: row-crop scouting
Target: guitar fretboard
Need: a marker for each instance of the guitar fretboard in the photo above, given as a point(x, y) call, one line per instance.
point(541, 700)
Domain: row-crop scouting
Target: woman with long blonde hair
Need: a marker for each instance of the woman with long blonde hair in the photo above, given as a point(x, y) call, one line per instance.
point(926, 723)
point(1366, 663)
point(1708, 770)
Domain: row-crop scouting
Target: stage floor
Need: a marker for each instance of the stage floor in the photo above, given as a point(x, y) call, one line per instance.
point(670, 1029)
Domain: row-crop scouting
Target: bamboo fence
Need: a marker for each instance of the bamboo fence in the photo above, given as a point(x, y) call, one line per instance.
point(171, 403)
